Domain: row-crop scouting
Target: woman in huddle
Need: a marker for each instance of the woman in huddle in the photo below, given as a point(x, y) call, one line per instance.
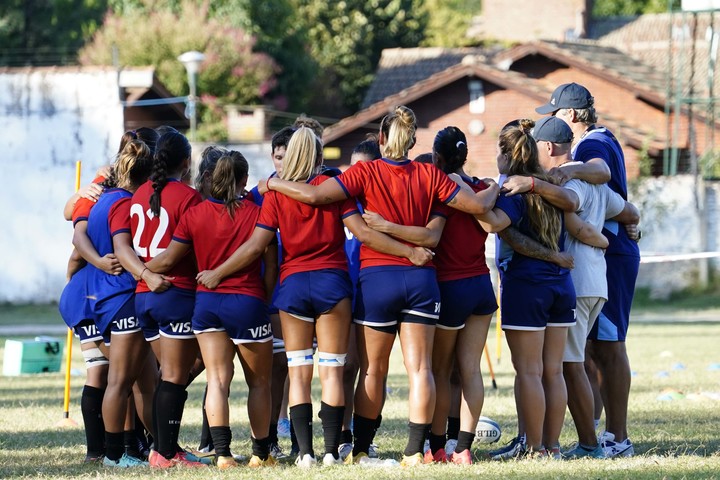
point(394, 295)
point(535, 331)
point(315, 289)
point(233, 317)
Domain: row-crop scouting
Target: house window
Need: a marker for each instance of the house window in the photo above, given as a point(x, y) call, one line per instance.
point(477, 96)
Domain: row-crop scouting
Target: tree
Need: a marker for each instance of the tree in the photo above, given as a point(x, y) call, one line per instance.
point(609, 8)
point(231, 73)
point(449, 21)
point(46, 32)
point(346, 40)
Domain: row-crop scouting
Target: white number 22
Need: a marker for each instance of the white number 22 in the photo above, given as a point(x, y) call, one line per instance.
point(137, 209)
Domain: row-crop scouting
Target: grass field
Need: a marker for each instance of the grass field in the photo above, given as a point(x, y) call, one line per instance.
point(674, 438)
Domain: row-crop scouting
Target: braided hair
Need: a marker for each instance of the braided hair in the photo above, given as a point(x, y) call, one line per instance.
point(172, 149)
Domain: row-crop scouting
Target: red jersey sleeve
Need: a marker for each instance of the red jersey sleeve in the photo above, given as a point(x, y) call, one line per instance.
point(182, 232)
point(82, 207)
point(268, 218)
point(119, 216)
point(445, 189)
point(353, 180)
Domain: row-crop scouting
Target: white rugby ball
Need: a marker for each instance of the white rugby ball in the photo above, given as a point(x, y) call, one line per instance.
point(487, 430)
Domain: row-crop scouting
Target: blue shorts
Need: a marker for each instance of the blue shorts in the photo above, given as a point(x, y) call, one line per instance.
point(87, 331)
point(529, 305)
point(392, 294)
point(464, 297)
point(243, 317)
point(125, 321)
point(168, 313)
point(307, 295)
point(614, 320)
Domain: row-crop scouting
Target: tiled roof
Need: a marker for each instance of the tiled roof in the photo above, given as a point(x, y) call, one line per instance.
point(400, 68)
point(649, 39)
point(473, 66)
point(604, 61)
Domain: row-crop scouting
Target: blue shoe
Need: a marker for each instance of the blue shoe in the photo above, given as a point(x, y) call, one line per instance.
point(126, 461)
point(581, 451)
point(190, 456)
point(283, 428)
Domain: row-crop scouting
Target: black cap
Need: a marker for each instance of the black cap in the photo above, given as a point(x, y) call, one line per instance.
point(552, 129)
point(567, 95)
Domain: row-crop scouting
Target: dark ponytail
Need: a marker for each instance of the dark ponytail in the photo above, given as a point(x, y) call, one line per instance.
point(450, 148)
point(230, 169)
point(172, 149)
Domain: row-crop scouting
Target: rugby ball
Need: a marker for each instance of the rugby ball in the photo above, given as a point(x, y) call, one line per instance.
point(487, 430)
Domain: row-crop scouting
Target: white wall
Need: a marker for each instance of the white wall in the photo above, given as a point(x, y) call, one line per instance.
point(48, 120)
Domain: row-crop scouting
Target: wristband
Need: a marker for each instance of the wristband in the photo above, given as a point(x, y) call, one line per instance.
point(532, 185)
point(141, 273)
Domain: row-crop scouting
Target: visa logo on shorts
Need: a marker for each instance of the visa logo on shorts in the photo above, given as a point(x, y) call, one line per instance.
point(90, 330)
point(262, 331)
point(181, 327)
point(126, 323)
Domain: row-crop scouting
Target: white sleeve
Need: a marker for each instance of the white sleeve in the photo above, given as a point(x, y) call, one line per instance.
point(615, 203)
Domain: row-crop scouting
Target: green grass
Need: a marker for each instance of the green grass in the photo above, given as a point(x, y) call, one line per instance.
point(673, 439)
point(693, 299)
point(44, 314)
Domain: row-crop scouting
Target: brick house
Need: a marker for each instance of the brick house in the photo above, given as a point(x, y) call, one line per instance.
point(479, 90)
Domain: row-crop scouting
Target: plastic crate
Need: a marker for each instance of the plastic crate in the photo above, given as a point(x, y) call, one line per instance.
point(41, 355)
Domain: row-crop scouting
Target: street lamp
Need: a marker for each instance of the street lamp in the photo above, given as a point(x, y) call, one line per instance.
point(192, 61)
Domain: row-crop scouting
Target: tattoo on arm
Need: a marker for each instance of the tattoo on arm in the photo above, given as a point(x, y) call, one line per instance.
point(525, 245)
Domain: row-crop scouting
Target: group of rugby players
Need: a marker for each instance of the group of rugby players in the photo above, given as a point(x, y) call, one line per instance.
point(167, 280)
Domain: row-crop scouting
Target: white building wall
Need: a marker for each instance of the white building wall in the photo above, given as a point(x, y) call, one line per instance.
point(49, 119)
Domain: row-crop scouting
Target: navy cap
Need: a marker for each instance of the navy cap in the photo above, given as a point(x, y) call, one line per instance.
point(552, 129)
point(567, 95)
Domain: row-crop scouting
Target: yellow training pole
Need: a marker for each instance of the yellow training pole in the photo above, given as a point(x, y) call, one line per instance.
point(490, 367)
point(498, 328)
point(66, 420)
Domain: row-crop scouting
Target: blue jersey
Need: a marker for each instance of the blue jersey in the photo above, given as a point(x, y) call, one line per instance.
point(74, 304)
point(352, 251)
point(108, 293)
point(599, 142)
point(520, 265)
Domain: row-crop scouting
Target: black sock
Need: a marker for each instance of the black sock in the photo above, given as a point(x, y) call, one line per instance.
point(332, 419)
point(273, 433)
point(378, 421)
point(114, 445)
point(261, 447)
point(141, 436)
point(221, 437)
point(346, 436)
point(169, 408)
point(293, 438)
point(453, 428)
point(465, 440)
point(436, 442)
point(205, 437)
point(416, 438)
point(91, 407)
point(131, 444)
point(363, 432)
point(301, 418)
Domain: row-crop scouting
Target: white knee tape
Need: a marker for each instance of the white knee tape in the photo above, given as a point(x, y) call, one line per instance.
point(331, 359)
point(299, 358)
point(94, 358)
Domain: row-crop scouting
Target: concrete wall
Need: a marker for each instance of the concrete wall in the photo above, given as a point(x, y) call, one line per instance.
point(48, 120)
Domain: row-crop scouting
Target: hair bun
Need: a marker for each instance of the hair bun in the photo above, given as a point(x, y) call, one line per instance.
point(526, 125)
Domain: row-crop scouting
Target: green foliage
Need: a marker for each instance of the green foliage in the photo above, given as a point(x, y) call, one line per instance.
point(347, 37)
point(232, 71)
point(610, 8)
point(46, 32)
point(448, 22)
point(710, 164)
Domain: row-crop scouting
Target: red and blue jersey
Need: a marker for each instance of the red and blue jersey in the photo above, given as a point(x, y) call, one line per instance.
point(109, 217)
point(215, 236)
point(81, 209)
point(313, 237)
point(151, 235)
point(520, 265)
point(453, 259)
point(402, 192)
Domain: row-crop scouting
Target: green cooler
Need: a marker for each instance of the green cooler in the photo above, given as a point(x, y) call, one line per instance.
point(43, 354)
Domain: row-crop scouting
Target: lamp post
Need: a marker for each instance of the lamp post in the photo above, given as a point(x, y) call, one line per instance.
point(192, 61)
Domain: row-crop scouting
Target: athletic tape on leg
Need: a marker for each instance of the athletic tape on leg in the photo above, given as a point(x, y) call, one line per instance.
point(94, 358)
point(331, 359)
point(299, 358)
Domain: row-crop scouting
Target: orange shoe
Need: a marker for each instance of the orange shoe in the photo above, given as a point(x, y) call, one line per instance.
point(226, 462)
point(158, 461)
point(437, 457)
point(462, 458)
